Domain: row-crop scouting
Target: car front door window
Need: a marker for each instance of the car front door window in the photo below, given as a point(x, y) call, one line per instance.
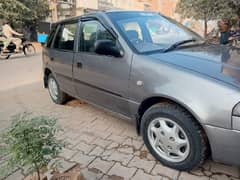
point(65, 37)
point(92, 31)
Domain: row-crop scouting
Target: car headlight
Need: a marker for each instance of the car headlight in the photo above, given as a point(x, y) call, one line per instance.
point(236, 110)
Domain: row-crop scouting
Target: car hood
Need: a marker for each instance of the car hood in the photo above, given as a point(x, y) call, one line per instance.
point(216, 61)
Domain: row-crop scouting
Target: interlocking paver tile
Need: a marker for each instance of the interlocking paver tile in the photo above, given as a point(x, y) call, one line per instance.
point(65, 165)
point(84, 147)
point(116, 138)
point(88, 138)
point(82, 159)
point(71, 142)
point(107, 153)
point(140, 175)
point(105, 177)
point(68, 153)
point(16, 175)
point(91, 174)
point(113, 145)
point(101, 165)
point(187, 176)
point(120, 157)
point(97, 151)
point(198, 172)
point(71, 135)
point(165, 171)
point(121, 171)
point(127, 150)
point(220, 177)
point(101, 142)
point(133, 143)
point(229, 170)
point(144, 164)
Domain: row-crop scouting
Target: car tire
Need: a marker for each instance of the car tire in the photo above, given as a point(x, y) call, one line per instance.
point(58, 96)
point(165, 127)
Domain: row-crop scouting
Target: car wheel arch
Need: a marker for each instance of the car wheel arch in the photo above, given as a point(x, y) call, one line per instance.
point(151, 101)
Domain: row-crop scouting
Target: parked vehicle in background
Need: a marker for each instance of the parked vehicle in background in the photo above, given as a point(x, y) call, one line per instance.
point(182, 93)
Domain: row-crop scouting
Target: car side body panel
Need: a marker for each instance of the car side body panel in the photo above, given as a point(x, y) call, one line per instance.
point(224, 144)
point(203, 99)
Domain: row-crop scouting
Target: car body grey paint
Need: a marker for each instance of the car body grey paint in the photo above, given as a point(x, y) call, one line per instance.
point(204, 79)
point(236, 123)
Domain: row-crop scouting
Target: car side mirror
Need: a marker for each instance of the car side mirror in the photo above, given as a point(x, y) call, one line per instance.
point(108, 47)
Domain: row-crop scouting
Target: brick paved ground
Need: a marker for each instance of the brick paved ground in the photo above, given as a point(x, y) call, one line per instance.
point(105, 146)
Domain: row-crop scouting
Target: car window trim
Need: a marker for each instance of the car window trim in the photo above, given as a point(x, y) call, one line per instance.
point(53, 36)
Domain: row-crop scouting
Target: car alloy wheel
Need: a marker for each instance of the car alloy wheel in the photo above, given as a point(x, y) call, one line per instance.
point(168, 140)
point(53, 88)
point(173, 136)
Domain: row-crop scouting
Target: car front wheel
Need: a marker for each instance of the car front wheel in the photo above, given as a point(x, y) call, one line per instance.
point(173, 137)
point(58, 96)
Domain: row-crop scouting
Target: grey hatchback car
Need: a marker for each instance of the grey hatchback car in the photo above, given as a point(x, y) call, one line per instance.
point(182, 93)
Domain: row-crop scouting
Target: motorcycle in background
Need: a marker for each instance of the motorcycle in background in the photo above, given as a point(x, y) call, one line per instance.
point(26, 47)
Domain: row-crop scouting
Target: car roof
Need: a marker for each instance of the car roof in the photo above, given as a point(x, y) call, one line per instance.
point(99, 14)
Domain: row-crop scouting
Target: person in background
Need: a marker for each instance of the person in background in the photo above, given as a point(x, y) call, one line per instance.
point(224, 28)
point(3, 40)
point(9, 33)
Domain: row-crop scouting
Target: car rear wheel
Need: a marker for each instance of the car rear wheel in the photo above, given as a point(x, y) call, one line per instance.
point(58, 96)
point(173, 137)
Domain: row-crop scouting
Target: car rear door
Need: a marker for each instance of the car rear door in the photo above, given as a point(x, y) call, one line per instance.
point(101, 79)
point(62, 54)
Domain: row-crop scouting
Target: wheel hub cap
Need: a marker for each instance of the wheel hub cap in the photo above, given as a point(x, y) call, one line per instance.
point(168, 140)
point(53, 88)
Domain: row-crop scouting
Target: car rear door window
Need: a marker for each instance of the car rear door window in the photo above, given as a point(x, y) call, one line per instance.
point(92, 31)
point(65, 37)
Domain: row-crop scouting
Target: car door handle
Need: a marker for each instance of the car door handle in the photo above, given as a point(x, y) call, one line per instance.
point(79, 65)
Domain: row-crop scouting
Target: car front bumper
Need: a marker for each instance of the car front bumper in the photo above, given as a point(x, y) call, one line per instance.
point(225, 144)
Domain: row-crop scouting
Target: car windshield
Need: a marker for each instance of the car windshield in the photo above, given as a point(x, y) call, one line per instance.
point(147, 32)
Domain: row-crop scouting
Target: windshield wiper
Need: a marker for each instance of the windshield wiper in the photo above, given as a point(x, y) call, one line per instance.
point(177, 44)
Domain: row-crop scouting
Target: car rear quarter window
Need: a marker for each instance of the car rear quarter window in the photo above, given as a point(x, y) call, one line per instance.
point(65, 36)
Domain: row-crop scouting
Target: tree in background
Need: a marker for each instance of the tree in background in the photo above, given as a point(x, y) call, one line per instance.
point(205, 10)
point(14, 11)
point(39, 10)
point(235, 6)
point(24, 13)
point(208, 10)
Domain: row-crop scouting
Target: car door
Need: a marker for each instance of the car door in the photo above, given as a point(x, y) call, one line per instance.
point(62, 54)
point(101, 79)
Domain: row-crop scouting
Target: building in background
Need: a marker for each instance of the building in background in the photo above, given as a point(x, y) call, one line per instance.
point(62, 9)
point(105, 4)
point(168, 7)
